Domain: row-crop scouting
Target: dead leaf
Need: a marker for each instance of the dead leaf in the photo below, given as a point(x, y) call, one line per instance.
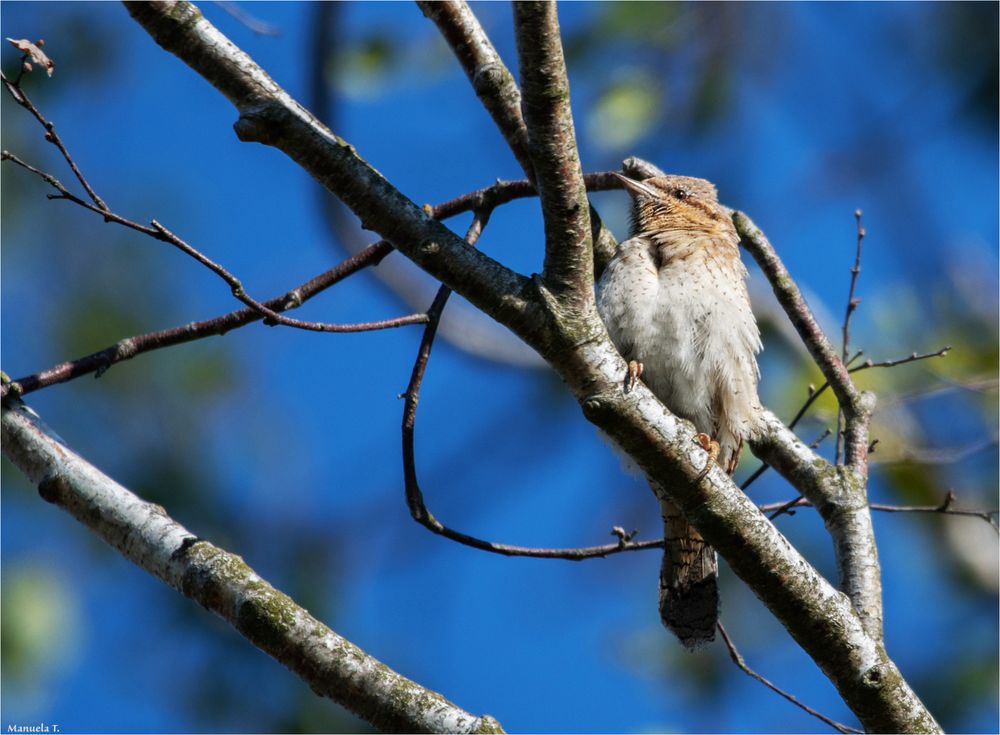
point(35, 53)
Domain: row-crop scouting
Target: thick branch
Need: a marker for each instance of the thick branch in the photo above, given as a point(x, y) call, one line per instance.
point(843, 505)
point(490, 78)
point(224, 584)
point(497, 90)
point(569, 268)
point(466, 328)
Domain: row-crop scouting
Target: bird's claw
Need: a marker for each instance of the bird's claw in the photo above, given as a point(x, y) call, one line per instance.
point(712, 447)
point(633, 375)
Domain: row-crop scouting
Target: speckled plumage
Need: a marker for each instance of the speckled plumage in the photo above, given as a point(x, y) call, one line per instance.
point(674, 299)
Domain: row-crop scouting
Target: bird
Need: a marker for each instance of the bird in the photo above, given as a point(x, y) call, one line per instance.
point(675, 304)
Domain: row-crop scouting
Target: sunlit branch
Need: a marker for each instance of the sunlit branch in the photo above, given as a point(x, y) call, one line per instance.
point(490, 197)
point(255, 25)
point(852, 305)
point(224, 584)
point(569, 267)
point(498, 91)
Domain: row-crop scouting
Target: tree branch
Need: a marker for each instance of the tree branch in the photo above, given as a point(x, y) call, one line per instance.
point(946, 507)
point(98, 362)
point(852, 305)
point(737, 659)
point(19, 96)
point(569, 266)
point(125, 349)
point(415, 497)
point(492, 81)
point(467, 328)
point(842, 498)
point(158, 232)
point(497, 90)
point(224, 584)
point(857, 405)
point(821, 619)
point(270, 116)
point(841, 503)
point(817, 615)
point(815, 393)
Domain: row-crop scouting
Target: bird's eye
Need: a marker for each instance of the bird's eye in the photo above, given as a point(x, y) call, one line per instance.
point(680, 194)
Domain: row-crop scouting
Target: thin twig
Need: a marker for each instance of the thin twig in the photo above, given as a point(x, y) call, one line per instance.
point(852, 300)
point(125, 349)
point(158, 232)
point(764, 466)
point(19, 96)
point(946, 507)
point(785, 507)
point(414, 495)
point(568, 268)
point(867, 364)
point(488, 197)
point(852, 305)
point(738, 660)
point(815, 393)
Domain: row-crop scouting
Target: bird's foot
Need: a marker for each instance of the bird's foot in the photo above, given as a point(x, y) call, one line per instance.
point(633, 375)
point(712, 447)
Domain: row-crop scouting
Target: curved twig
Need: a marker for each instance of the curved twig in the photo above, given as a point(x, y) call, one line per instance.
point(414, 495)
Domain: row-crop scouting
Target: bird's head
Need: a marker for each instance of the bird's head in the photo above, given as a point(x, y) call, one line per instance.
point(668, 203)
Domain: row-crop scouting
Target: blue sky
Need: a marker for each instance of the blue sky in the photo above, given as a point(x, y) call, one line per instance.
point(282, 445)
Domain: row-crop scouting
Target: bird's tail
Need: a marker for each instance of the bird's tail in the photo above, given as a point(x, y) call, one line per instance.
point(689, 590)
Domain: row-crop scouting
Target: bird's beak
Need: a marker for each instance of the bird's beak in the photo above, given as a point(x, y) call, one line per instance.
point(637, 188)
